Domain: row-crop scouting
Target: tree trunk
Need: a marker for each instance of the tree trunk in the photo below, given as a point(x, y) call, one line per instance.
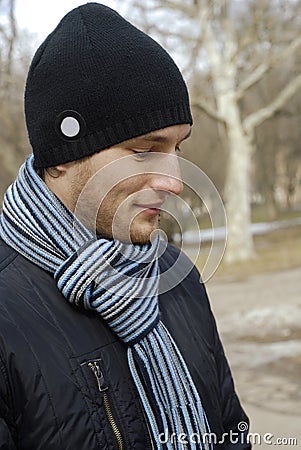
point(237, 187)
point(271, 204)
point(240, 244)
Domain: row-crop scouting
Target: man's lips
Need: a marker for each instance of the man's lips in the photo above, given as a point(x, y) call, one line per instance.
point(157, 205)
point(151, 208)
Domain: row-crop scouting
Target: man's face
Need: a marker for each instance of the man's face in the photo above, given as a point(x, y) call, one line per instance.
point(120, 190)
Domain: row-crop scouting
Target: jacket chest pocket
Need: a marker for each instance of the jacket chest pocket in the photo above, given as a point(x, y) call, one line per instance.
point(111, 400)
point(103, 400)
point(99, 403)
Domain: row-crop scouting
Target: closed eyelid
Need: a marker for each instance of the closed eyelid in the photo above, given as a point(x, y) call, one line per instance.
point(155, 139)
point(141, 147)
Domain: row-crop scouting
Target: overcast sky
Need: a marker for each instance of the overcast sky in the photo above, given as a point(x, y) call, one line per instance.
point(41, 17)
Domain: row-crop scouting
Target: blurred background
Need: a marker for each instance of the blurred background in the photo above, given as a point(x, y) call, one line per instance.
point(241, 60)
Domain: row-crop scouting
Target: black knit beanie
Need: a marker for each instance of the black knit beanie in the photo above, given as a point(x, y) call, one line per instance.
point(97, 81)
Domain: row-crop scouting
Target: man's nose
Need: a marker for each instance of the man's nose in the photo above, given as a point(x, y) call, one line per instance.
point(166, 175)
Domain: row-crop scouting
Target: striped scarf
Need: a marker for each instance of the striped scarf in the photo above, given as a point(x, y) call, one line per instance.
point(120, 282)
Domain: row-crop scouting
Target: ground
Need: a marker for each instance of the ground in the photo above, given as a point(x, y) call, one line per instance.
point(259, 318)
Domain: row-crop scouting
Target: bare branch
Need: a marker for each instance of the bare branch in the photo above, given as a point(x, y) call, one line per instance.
point(257, 118)
point(189, 11)
point(2, 31)
point(252, 79)
point(13, 35)
point(204, 106)
point(195, 49)
point(262, 69)
point(193, 59)
point(152, 28)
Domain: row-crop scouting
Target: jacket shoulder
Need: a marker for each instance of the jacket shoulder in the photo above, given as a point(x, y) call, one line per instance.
point(7, 255)
point(16, 276)
point(174, 263)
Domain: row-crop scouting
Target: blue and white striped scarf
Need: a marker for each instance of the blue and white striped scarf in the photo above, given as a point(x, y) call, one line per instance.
point(120, 282)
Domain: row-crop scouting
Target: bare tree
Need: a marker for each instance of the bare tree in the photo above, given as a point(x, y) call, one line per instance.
point(236, 44)
point(14, 61)
point(8, 33)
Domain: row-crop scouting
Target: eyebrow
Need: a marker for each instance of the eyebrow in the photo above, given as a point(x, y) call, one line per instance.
point(156, 137)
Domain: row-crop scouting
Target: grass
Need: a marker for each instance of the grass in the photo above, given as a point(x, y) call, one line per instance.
point(259, 214)
point(275, 251)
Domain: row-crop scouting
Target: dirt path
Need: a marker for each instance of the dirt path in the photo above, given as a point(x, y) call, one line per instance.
point(259, 319)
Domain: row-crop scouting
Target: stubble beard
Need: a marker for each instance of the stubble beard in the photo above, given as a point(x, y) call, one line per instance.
point(137, 232)
point(107, 224)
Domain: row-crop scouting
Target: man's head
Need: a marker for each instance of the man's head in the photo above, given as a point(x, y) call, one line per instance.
point(95, 87)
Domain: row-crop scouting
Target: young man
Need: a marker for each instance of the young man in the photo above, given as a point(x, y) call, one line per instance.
point(105, 340)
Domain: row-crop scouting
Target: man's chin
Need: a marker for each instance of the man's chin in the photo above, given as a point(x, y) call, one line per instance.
point(138, 232)
point(138, 235)
point(142, 240)
point(141, 233)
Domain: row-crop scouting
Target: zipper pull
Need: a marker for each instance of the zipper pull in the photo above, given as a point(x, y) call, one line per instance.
point(94, 366)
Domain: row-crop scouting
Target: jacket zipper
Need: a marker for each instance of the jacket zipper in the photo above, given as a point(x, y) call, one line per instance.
point(94, 366)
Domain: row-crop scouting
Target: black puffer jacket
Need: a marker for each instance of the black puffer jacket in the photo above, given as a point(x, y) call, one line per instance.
point(64, 378)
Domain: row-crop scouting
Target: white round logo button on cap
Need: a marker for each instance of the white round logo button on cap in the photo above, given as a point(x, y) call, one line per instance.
point(70, 127)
